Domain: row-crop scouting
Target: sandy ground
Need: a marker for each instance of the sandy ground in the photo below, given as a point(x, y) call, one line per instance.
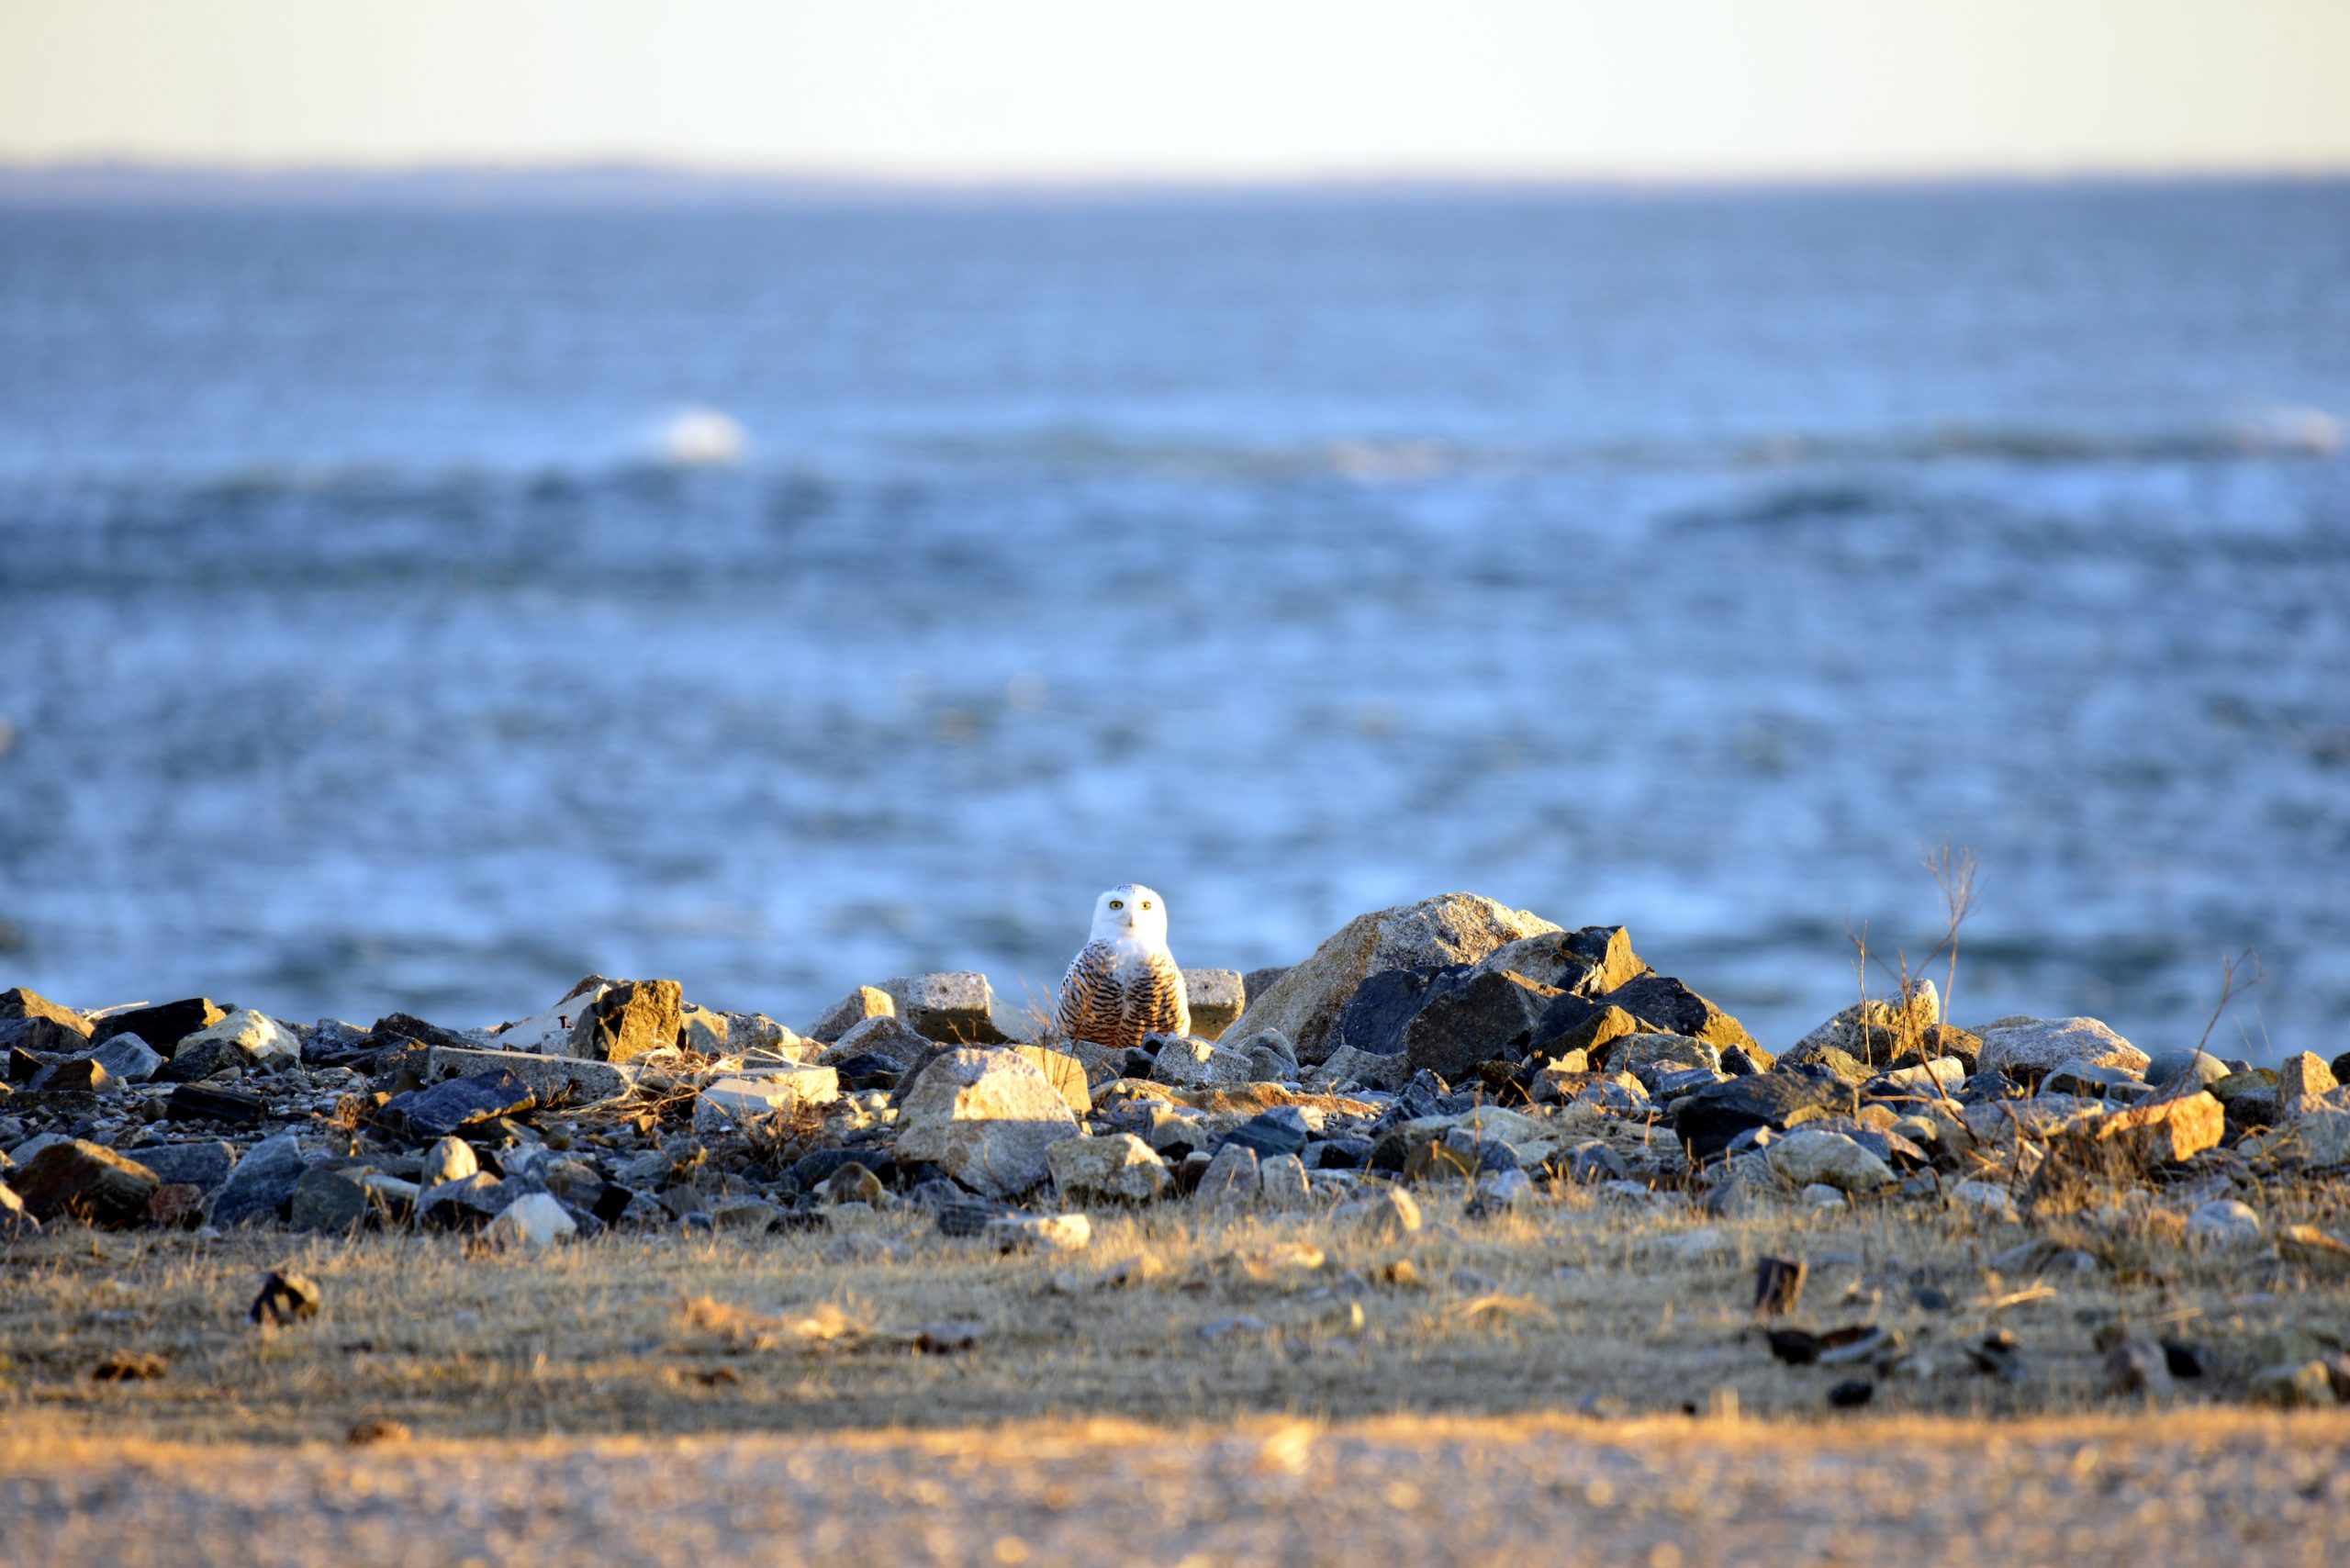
point(2187, 1488)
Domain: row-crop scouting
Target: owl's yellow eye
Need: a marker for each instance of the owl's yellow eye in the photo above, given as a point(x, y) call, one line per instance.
point(1117, 904)
point(1146, 903)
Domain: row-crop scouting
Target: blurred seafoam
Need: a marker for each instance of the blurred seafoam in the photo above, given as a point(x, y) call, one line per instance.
point(422, 607)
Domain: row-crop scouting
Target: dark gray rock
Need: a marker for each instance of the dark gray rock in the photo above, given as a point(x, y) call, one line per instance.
point(1280, 1130)
point(205, 1165)
point(1490, 1017)
point(17, 1002)
point(1573, 1023)
point(85, 1181)
point(467, 1204)
point(1708, 1119)
point(127, 1060)
point(331, 1198)
point(396, 1026)
point(1667, 1006)
point(199, 1060)
point(44, 1036)
point(330, 1042)
point(214, 1102)
point(263, 1183)
point(1375, 1017)
point(85, 1075)
point(163, 1026)
point(429, 1114)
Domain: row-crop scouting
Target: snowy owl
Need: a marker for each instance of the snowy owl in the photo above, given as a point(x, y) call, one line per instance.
point(1124, 984)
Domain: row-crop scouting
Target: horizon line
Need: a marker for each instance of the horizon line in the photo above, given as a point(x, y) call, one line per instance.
point(148, 179)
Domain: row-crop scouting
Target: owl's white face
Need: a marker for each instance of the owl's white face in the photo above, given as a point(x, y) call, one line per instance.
point(1130, 912)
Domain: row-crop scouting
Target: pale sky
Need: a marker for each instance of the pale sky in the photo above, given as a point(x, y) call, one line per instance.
point(1232, 89)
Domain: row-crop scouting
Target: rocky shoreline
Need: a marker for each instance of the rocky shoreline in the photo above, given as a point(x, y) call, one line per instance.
point(1454, 1043)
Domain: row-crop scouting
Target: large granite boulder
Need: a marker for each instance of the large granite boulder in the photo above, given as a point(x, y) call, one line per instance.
point(986, 1117)
point(1307, 1001)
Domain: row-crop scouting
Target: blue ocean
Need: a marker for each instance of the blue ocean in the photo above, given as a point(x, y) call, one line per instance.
point(419, 605)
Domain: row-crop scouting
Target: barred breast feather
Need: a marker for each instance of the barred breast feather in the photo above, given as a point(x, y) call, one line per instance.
point(1114, 997)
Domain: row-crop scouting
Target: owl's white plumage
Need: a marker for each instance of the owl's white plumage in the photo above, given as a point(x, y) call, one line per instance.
point(1124, 984)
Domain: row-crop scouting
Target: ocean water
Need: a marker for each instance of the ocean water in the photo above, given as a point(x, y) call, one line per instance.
point(423, 608)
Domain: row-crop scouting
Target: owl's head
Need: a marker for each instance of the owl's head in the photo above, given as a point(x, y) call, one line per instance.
point(1130, 912)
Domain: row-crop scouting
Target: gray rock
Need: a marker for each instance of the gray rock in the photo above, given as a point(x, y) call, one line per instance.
point(532, 1221)
point(2224, 1223)
point(2081, 1077)
point(1806, 1156)
point(454, 1102)
point(1645, 1054)
point(1453, 928)
point(1589, 962)
point(1346, 1066)
point(86, 1181)
point(332, 1199)
point(2303, 1083)
point(728, 1104)
point(988, 1118)
point(1188, 1062)
point(1280, 1130)
point(261, 1184)
point(1875, 1032)
point(205, 1165)
point(885, 1036)
point(450, 1160)
point(1114, 1167)
point(551, 1079)
point(1707, 1120)
point(1282, 1183)
point(466, 1203)
point(242, 1038)
point(1232, 1177)
point(2029, 1048)
point(1041, 1233)
point(1271, 1059)
point(865, 1001)
point(955, 1008)
point(163, 1028)
point(2321, 1136)
point(128, 1057)
point(2168, 1067)
point(75, 1075)
point(1491, 1017)
point(17, 1002)
point(1216, 999)
point(1667, 1006)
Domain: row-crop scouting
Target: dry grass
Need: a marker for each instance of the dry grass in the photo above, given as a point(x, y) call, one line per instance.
point(1554, 1308)
point(2192, 1488)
